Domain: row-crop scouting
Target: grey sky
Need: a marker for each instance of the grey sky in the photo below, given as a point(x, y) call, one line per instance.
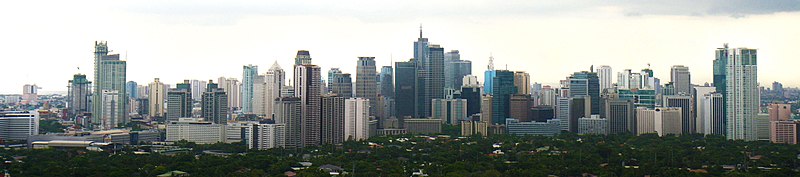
point(43, 42)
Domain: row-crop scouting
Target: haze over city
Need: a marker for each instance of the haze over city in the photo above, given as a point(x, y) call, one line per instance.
point(44, 43)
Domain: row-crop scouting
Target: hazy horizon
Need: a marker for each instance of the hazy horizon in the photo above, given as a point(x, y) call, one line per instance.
point(177, 40)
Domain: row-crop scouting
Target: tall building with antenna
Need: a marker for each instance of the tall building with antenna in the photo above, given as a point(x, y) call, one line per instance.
point(109, 77)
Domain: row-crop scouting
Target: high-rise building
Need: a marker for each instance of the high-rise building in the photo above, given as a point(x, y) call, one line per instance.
point(662, 121)
point(579, 107)
point(157, 95)
point(232, 88)
point(215, 104)
point(288, 111)
point(356, 119)
point(686, 105)
point(110, 75)
point(430, 75)
point(784, 131)
point(259, 95)
point(30, 94)
point(332, 73)
point(366, 82)
point(179, 102)
point(548, 96)
point(387, 82)
point(249, 74)
point(741, 93)
point(470, 81)
point(130, 88)
point(332, 115)
point(472, 93)
point(779, 112)
point(450, 111)
point(640, 97)
point(605, 78)
point(79, 95)
point(274, 82)
point(488, 77)
point(720, 64)
point(196, 131)
point(306, 86)
point(620, 115)
point(520, 106)
point(624, 79)
point(593, 125)
point(455, 69)
point(198, 87)
point(110, 117)
point(563, 111)
point(266, 136)
point(303, 57)
point(522, 81)
point(503, 86)
point(405, 87)
point(586, 83)
point(18, 125)
point(681, 79)
point(342, 85)
point(710, 119)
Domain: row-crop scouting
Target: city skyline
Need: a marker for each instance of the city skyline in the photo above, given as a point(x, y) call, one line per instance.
point(621, 34)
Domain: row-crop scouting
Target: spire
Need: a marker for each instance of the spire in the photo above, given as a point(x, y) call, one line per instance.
point(491, 62)
point(275, 66)
point(420, 30)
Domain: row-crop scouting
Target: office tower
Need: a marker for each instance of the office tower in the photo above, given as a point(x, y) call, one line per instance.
point(342, 85)
point(635, 81)
point(306, 87)
point(470, 81)
point(720, 64)
point(682, 80)
point(762, 127)
point(586, 83)
point(215, 104)
point(648, 79)
point(779, 112)
point(110, 117)
point(450, 111)
point(563, 111)
point(620, 115)
point(593, 125)
point(366, 82)
point(405, 87)
point(697, 97)
point(130, 88)
point(109, 74)
point(784, 131)
point(522, 81)
point(266, 136)
point(640, 97)
point(249, 74)
point(542, 113)
point(79, 95)
point(455, 69)
point(488, 77)
point(196, 131)
point(515, 127)
point(288, 111)
point(142, 91)
point(686, 105)
point(520, 106)
point(662, 121)
point(387, 81)
point(624, 79)
point(332, 116)
point(741, 93)
point(303, 57)
point(30, 94)
point(18, 125)
point(157, 95)
point(356, 119)
point(548, 97)
point(430, 75)
point(604, 76)
point(232, 88)
point(472, 94)
point(259, 95)
point(710, 119)
point(273, 84)
point(486, 109)
point(198, 87)
point(579, 107)
point(332, 73)
point(503, 86)
point(179, 102)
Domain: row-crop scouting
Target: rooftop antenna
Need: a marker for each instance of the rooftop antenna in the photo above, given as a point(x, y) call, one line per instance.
point(491, 61)
point(420, 30)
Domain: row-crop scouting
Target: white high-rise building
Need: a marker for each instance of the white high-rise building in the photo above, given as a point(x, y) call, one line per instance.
point(470, 81)
point(110, 117)
point(662, 121)
point(198, 87)
point(259, 95)
point(605, 76)
point(18, 125)
point(232, 87)
point(156, 97)
point(195, 130)
point(742, 95)
point(356, 119)
point(274, 82)
point(681, 79)
point(266, 136)
point(635, 81)
point(624, 79)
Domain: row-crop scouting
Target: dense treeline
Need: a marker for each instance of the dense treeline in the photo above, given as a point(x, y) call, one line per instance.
point(565, 155)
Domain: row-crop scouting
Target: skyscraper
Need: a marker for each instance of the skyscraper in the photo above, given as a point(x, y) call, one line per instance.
point(472, 94)
point(198, 87)
point(274, 82)
point(405, 84)
point(179, 102)
point(779, 112)
point(332, 73)
point(741, 93)
point(503, 86)
point(130, 88)
point(356, 119)
point(110, 117)
point(488, 77)
point(710, 119)
point(586, 83)
point(288, 111)
point(387, 82)
point(79, 95)
point(259, 95)
point(450, 111)
point(332, 116)
point(620, 115)
point(430, 76)
point(307, 87)
point(231, 87)
point(156, 96)
point(522, 81)
point(249, 74)
point(686, 105)
point(520, 106)
point(303, 57)
point(366, 82)
point(604, 75)
point(110, 75)
point(455, 69)
point(342, 85)
point(681, 79)
point(215, 104)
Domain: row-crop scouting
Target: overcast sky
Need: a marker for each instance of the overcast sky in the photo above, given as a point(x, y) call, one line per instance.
point(44, 42)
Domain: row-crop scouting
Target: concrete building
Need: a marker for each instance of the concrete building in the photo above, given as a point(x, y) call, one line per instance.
point(450, 111)
point(196, 131)
point(549, 128)
point(157, 95)
point(249, 74)
point(593, 125)
point(686, 105)
point(422, 125)
point(604, 74)
point(110, 117)
point(503, 88)
point(387, 82)
point(289, 113)
point(682, 79)
point(663, 121)
point(214, 106)
point(621, 116)
point(367, 82)
point(472, 94)
point(784, 131)
point(179, 102)
point(110, 75)
point(18, 125)
point(520, 106)
point(522, 81)
point(455, 69)
point(232, 88)
point(266, 136)
point(762, 127)
point(710, 113)
point(741, 94)
point(405, 88)
point(470, 128)
point(779, 112)
point(307, 84)
point(356, 119)
point(333, 118)
point(430, 76)
point(79, 95)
